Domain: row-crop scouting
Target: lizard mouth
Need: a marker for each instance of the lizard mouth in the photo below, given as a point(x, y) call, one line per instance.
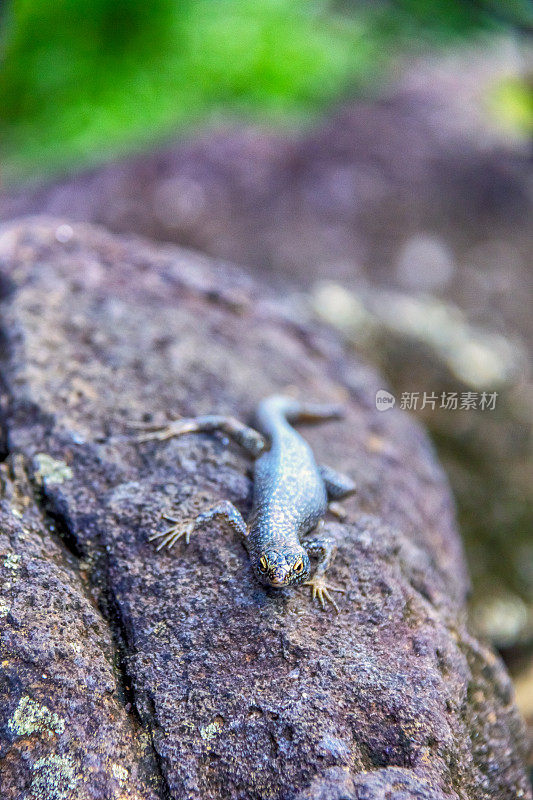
point(278, 581)
point(288, 578)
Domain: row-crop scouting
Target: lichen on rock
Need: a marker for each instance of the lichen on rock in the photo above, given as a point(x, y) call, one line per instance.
point(54, 778)
point(31, 717)
point(51, 470)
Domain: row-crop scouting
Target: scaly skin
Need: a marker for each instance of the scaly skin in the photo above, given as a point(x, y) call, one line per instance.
point(290, 494)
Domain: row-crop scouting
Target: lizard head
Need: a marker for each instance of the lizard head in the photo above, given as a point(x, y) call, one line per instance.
point(282, 567)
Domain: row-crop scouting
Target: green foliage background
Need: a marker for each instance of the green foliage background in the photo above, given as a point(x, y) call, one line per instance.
point(82, 80)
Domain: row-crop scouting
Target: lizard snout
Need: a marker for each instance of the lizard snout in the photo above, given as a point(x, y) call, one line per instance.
point(279, 578)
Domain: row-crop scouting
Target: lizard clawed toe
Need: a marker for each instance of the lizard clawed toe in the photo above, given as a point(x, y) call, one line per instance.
point(320, 590)
point(168, 518)
point(170, 536)
point(145, 426)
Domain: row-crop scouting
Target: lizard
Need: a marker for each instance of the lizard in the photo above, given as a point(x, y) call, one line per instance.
point(291, 493)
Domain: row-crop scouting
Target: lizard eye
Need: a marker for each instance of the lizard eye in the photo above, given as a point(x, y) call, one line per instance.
point(298, 567)
point(263, 564)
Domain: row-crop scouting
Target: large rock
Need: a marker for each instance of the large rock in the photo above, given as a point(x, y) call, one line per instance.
point(241, 692)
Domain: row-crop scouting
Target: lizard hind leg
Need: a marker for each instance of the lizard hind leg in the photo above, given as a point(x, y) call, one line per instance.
point(272, 410)
point(314, 412)
point(251, 440)
point(338, 485)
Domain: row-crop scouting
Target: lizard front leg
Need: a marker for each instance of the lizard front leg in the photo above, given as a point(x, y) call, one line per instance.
point(224, 511)
point(325, 548)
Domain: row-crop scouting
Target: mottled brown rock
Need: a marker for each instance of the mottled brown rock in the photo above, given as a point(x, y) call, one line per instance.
point(246, 693)
point(64, 730)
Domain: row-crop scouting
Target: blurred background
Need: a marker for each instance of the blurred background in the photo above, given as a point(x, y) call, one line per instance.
point(374, 159)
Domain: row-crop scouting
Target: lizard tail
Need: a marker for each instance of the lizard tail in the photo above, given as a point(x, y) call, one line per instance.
point(277, 408)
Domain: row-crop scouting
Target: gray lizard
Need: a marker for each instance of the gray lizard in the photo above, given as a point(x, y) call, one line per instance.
point(290, 494)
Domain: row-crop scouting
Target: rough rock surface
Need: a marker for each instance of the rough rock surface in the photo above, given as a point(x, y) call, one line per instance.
point(64, 730)
point(242, 692)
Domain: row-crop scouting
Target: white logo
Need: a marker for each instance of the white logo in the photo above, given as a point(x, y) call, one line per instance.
point(384, 400)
